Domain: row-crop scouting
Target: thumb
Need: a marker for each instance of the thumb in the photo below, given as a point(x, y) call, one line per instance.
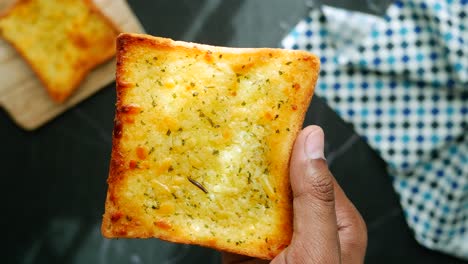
point(315, 238)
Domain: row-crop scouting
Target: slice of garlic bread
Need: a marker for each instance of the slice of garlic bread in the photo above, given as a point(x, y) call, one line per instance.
point(62, 40)
point(202, 141)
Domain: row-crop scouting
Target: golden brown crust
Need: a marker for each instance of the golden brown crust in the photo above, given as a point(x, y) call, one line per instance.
point(85, 59)
point(276, 112)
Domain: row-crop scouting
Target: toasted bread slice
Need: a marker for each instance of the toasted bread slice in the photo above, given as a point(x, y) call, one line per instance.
point(202, 141)
point(62, 40)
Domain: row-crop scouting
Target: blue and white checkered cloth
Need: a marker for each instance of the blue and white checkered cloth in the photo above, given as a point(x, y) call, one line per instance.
point(402, 81)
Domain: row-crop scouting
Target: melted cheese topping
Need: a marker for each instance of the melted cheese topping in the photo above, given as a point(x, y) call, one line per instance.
point(206, 141)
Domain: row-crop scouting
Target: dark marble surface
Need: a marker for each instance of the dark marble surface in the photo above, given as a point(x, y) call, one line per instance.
point(54, 179)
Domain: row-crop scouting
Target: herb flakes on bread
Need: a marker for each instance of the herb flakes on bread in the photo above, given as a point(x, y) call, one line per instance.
point(201, 143)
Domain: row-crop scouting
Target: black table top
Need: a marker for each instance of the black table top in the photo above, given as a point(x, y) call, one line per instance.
point(54, 178)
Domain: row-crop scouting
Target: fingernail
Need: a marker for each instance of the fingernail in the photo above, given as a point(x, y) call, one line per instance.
point(314, 144)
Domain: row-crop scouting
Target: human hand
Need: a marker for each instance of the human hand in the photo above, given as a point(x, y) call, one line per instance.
point(327, 226)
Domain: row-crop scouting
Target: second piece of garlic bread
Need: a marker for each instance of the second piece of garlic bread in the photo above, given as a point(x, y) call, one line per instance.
point(62, 40)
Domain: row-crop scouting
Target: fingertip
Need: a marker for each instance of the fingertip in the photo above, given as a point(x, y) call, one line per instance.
point(315, 143)
point(312, 129)
point(315, 133)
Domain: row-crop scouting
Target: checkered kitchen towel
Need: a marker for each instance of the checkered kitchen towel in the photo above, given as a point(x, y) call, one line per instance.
point(402, 81)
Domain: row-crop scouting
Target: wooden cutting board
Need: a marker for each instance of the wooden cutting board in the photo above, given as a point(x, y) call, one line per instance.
point(24, 97)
